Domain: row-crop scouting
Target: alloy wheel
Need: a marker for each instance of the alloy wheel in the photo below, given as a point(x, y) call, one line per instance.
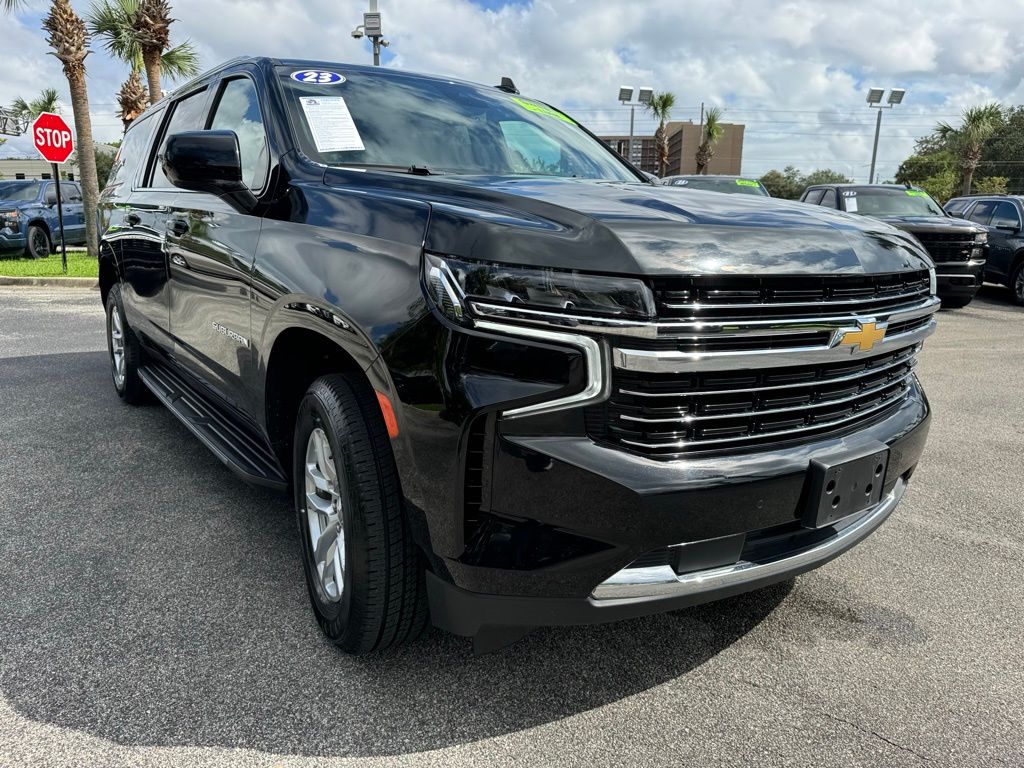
point(324, 514)
point(39, 245)
point(1018, 286)
point(117, 360)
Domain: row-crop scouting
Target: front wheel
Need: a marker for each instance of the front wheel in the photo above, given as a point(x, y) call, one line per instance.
point(37, 244)
point(1017, 284)
point(363, 569)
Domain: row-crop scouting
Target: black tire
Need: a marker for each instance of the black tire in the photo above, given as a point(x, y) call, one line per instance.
point(129, 386)
point(1017, 284)
point(37, 242)
point(383, 601)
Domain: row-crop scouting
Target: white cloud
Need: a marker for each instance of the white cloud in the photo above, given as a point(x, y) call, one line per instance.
point(795, 71)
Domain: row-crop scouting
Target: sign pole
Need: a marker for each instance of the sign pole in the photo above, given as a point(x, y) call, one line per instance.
point(60, 221)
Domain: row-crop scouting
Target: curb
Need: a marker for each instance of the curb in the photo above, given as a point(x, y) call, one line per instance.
point(52, 282)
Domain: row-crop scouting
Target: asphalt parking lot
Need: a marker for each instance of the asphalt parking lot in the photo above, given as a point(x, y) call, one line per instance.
point(152, 610)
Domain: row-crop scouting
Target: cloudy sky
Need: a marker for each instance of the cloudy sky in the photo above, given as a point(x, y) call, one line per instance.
point(794, 71)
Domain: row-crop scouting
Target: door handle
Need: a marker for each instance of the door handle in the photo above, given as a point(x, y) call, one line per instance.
point(177, 227)
point(133, 219)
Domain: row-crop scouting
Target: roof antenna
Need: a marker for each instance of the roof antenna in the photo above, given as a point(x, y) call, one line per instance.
point(507, 85)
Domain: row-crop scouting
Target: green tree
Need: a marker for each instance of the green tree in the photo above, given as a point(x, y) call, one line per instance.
point(1003, 154)
point(786, 184)
point(991, 185)
point(977, 126)
point(824, 176)
point(46, 101)
point(711, 134)
point(139, 33)
point(660, 108)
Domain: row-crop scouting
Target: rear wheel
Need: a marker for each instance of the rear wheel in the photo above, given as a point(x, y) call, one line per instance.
point(363, 569)
point(1017, 284)
point(125, 351)
point(38, 242)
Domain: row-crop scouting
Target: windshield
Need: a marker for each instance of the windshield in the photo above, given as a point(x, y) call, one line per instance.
point(19, 191)
point(388, 118)
point(890, 202)
point(736, 186)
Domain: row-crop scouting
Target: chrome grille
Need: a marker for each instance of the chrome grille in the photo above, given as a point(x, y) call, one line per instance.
point(667, 414)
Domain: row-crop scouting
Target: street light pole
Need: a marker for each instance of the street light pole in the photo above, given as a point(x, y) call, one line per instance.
point(875, 102)
point(371, 28)
point(626, 100)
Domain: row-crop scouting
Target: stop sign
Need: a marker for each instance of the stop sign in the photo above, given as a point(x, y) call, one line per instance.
point(52, 137)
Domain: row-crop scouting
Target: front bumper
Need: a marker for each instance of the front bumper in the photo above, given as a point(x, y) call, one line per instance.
point(959, 280)
point(639, 592)
point(11, 241)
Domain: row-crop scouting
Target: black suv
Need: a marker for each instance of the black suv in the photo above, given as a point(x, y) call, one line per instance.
point(506, 378)
point(1001, 215)
point(956, 246)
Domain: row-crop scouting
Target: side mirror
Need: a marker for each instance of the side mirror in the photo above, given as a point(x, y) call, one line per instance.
point(208, 161)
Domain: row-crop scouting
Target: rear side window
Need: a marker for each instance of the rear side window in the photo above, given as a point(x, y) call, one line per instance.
point(238, 110)
point(814, 196)
point(132, 152)
point(70, 192)
point(954, 207)
point(188, 115)
point(829, 199)
point(982, 212)
point(1005, 215)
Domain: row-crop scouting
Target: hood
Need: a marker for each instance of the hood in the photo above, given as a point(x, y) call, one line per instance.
point(653, 230)
point(931, 224)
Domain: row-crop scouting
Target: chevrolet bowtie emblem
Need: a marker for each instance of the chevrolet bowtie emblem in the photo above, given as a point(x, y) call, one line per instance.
point(865, 337)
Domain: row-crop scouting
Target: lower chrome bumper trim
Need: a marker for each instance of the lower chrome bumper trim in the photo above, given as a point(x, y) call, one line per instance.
point(662, 581)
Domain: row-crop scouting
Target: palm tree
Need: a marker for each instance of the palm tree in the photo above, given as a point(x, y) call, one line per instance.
point(976, 127)
point(660, 108)
point(131, 99)
point(46, 102)
point(67, 35)
point(138, 32)
point(712, 133)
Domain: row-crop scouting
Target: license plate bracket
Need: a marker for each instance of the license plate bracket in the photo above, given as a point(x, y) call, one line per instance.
point(845, 484)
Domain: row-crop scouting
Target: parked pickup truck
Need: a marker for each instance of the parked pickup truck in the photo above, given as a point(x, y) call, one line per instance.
point(508, 381)
point(28, 216)
point(957, 247)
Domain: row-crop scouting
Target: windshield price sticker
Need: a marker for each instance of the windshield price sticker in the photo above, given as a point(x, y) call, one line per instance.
point(331, 124)
point(746, 183)
point(851, 204)
point(317, 77)
point(542, 109)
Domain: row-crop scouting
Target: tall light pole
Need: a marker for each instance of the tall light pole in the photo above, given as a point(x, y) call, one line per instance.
point(626, 99)
point(371, 27)
point(875, 102)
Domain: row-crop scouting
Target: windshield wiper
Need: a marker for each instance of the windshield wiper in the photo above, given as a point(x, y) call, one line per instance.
point(414, 170)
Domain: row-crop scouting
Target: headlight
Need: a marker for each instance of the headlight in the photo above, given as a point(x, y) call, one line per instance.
point(981, 237)
point(8, 219)
point(453, 284)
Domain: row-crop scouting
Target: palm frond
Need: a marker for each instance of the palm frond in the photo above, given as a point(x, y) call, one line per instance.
point(180, 61)
point(713, 127)
point(10, 6)
point(113, 22)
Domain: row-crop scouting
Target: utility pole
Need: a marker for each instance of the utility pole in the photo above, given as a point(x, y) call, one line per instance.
point(371, 27)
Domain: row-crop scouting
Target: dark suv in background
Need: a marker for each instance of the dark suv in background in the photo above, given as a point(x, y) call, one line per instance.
point(956, 246)
point(28, 216)
point(503, 375)
point(1001, 215)
point(736, 185)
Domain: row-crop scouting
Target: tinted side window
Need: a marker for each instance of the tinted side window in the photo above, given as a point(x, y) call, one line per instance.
point(49, 195)
point(814, 196)
point(829, 199)
point(188, 115)
point(70, 192)
point(954, 207)
point(982, 212)
point(1005, 215)
point(132, 152)
point(238, 110)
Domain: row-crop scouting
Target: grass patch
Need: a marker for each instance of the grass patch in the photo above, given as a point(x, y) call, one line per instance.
point(79, 265)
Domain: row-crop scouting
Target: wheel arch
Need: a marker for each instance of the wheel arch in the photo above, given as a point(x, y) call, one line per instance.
point(109, 274)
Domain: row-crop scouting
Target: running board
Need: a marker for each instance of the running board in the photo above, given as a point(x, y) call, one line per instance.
point(244, 452)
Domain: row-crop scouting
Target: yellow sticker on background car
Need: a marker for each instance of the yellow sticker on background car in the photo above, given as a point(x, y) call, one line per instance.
point(747, 183)
point(542, 109)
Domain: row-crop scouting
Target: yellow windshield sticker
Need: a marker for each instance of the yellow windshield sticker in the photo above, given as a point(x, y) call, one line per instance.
point(916, 193)
point(747, 183)
point(541, 109)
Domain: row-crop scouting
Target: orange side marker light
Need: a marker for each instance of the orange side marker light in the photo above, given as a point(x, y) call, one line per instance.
point(388, 412)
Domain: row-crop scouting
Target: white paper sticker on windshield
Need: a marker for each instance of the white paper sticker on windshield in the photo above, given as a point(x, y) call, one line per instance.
point(851, 205)
point(331, 124)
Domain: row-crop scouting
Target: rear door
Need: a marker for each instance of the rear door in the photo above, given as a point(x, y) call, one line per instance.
point(1003, 235)
point(212, 247)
